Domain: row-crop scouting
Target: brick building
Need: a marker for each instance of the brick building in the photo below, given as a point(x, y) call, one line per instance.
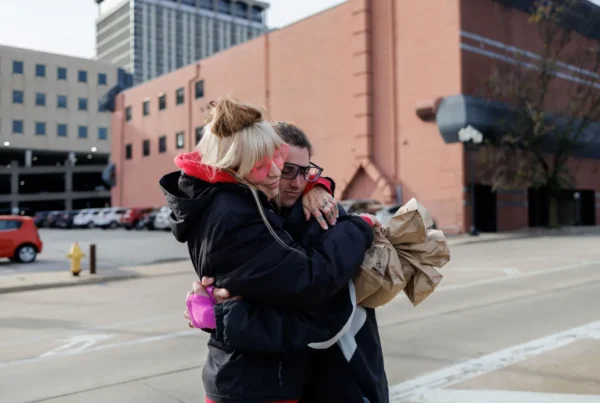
point(381, 87)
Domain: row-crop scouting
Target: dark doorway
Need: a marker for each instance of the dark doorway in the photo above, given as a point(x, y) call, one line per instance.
point(486, 217)
point(575, 207)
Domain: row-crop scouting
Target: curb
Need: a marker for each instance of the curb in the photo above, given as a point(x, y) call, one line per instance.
point(64, 284)
point(91, 280)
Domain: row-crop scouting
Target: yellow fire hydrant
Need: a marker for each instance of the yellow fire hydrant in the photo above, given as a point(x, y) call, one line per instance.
point(75, 255)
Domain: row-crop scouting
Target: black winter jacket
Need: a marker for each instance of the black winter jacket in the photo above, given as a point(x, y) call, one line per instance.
point(344, 371)
point(228, 240)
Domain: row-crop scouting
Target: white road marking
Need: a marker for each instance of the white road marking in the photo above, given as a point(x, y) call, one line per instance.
point(499, 396)
point(118, 325)
point(70, 353)
point(479, 366)
point(521, 275)
point(78, 343)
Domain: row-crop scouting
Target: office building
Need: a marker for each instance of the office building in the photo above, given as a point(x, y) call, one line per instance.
point(152, 37)
point(382, 88)
point(54, 129)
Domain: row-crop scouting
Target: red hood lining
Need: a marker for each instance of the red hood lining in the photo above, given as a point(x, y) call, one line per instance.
point(191, 164)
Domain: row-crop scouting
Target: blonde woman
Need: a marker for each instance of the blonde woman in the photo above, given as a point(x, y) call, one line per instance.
point(221, 203)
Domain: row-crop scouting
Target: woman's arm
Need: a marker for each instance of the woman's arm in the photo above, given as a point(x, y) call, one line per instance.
point(264, 328)
point(254, 265)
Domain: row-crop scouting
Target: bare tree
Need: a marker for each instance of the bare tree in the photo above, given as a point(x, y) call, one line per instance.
point(555, 97)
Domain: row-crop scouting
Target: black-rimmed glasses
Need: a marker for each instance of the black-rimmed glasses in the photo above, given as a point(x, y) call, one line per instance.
point(310, 173)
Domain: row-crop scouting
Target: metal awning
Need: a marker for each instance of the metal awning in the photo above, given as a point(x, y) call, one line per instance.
point(490, 118)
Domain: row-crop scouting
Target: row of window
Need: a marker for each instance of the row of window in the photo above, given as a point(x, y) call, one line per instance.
point(162, 100)
point(18, 98)
point(61, 72)
point(162, 144)
point(18, 127)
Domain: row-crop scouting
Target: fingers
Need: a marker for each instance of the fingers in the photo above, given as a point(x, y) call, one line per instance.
point(221, 293)
point(336, 209)
point(319, 217)
point(186, 314)
point(208, 281)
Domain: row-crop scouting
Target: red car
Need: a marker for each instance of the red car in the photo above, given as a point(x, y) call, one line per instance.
point(19, 239)
point(132, 216)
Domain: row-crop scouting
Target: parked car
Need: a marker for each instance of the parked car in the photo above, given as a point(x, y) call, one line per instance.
point(51, 219)
point(40, 218)
point(161, 222)
point(132, 216)
point(85, 218)
point(147, 220)
point(65, 220)
point(19, 239)
point(109, 217)
point(361, 206)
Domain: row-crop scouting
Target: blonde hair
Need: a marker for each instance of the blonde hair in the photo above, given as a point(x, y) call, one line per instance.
point(236, 137)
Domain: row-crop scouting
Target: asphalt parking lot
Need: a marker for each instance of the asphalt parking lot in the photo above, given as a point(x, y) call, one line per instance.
point(114, 248)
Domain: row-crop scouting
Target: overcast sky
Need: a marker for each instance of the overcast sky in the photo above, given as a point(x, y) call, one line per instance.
point(68, 26)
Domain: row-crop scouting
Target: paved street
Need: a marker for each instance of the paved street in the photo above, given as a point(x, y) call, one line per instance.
point(114, 248)
point(513, 321)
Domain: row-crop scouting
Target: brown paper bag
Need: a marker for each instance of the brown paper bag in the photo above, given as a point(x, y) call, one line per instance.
point(422, 284)
point(381, 277)
point(404, 256)
point(409, 224)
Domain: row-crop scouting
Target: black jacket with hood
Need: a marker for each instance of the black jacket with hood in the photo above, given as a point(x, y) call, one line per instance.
point(227, 239)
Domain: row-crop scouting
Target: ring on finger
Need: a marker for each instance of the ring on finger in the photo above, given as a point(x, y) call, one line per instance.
point(320, 218)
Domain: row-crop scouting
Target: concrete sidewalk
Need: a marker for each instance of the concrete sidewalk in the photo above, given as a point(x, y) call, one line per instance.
point(41, 280)
point(37, 281)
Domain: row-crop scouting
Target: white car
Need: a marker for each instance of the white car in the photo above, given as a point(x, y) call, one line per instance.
point(161, 222)
point(109, 217)
point(85, 218)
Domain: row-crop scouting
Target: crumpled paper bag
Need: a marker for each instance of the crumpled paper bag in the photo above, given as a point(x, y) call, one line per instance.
point(405, 256)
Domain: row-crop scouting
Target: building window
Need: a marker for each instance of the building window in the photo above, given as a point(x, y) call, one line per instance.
point(40, 99)
point(146, 148)
point(61, 130)
point(128, 151)
point(82, 104)
point(101, 79)
point(61, 101)
point(61, 73)
point(101, 107)
point(162, 144)
point(17, 126)
point(40, 70)
point(82, 76)
point(162, 102)
point(128, 113)
point(18, 97)
point(199, 131)
point(82, 132)
point(17, 67)
point(102, 133)
point(40, 128)
point(180, 140)
point(146, 108)
point(179, 96)
point(199, 89)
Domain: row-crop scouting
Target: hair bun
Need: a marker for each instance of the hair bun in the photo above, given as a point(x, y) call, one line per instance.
point(229, 116)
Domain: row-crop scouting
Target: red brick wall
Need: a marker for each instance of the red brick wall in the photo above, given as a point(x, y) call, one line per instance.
point(428, 66)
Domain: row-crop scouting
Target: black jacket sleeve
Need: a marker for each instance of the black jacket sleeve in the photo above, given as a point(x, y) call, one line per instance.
point(263, 328)
point(247, 260)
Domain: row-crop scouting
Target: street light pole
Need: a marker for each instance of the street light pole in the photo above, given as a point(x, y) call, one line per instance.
point(471, 138)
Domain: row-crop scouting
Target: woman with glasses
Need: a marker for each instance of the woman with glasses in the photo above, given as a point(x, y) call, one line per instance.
point(221, 204)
